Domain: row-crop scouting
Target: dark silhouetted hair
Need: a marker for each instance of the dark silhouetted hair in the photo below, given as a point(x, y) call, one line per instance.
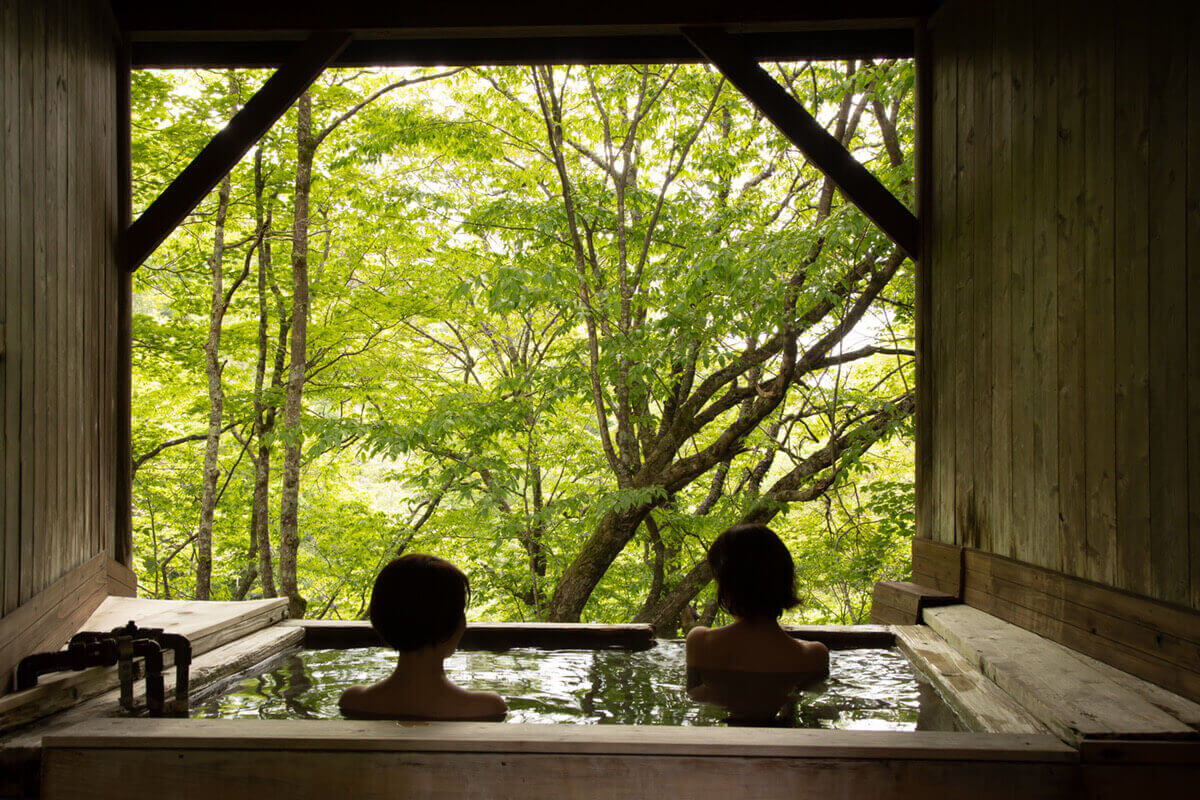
point(755, 575)
point(418, 601)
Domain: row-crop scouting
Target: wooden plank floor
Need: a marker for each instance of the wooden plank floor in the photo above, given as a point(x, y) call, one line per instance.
point(207, 625)
point(1071, 695)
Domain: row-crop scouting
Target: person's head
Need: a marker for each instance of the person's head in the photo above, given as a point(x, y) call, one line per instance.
point(419, 601)
point(755, 575)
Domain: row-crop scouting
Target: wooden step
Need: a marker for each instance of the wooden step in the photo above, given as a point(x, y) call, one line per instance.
point(901, 602)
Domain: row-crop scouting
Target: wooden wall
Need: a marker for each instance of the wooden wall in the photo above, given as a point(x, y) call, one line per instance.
point(1061, 344)
point(60, 300)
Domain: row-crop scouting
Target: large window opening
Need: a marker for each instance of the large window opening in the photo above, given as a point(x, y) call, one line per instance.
point(560, 325)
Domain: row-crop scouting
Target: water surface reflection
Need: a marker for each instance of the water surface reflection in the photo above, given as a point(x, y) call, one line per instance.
point(873, 689)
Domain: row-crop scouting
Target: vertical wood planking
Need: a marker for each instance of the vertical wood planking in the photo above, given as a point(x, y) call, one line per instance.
point(32, 163)
point(926, 385)
point(964, 210)
point(943, 277)
point(1043, 547)
point(61, 545)
point(58, 184)
point(1069, 194)
point(982, 265)
point(5, 265)
point(1099, 436)
point(1167, 256)
point(115, 283)
point(1002, 270)
point(1193, 304)
point(1130, 284)
point(14, 112)
point(1024, 368)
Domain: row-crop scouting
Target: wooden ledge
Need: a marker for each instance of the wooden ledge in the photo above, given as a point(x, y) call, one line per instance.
point(1074, 696)
point(336, 634)
point(499, 737)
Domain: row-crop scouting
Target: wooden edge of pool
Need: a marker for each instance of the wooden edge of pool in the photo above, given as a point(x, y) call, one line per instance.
point(342, 634)
point(494, 737)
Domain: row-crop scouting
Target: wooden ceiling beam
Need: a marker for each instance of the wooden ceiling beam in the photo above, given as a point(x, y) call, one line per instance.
point(472, 18)
point(228, 147)
point(669, 48)
point(826, 153)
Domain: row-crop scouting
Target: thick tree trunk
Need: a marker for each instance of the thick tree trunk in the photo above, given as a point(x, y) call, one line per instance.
point(579, 579)
point(216, 401)
point(289, 530)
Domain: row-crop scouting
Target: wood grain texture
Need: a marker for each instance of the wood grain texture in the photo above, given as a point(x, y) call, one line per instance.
point(200, 773)
point(1072, 699)
point(1024, 520)
point(51, 617)
point(1167, 295)
point(1068, 196)
point(1062, 260)
point(923, 466)
point(1099, 431)
point(964, 295)
point(979, 702)
point(57, 146)
point(901, 602)
point(207, 625)
point(1001, 247)
point(940, 257)
point(10, 240)
point(1193, 303)
point(938, 566)
point(1155, 641)
point(491, 737)
point(979, 514)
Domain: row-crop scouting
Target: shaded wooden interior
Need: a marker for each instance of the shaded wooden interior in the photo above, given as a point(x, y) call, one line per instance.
point(1058, 420)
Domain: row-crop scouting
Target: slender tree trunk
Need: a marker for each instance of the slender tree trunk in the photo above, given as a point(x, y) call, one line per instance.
point(289, 531)
point(216, 401)
point(264, 418)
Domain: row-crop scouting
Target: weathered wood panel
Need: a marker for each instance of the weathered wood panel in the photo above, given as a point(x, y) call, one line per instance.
point(57, 292)
point(1148, 638)
point(1063, 259)
point(247, 758)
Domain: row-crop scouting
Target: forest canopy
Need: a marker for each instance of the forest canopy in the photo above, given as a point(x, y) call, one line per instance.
point(559, 325)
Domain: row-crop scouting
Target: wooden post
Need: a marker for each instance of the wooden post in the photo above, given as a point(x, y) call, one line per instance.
point(227, 147)
point(822, 149)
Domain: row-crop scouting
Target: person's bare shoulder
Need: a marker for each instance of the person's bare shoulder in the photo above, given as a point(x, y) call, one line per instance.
point(813, 658)
point(487, 706)
point(352, 700)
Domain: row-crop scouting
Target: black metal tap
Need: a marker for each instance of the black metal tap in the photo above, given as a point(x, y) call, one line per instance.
point(136, 652)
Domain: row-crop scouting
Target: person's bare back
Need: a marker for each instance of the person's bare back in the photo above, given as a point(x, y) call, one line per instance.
point(752, 666)
point(418, 606)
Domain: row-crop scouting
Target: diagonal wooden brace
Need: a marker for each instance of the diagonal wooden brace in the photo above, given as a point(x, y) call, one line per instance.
point(227, 148)
point(818, 145)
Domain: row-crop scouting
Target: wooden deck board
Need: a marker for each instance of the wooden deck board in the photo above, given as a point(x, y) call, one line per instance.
point(207, 625)
point(979, 702)
point(1072, 698)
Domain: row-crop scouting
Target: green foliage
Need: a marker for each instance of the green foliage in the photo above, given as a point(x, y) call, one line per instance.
point(449, 406)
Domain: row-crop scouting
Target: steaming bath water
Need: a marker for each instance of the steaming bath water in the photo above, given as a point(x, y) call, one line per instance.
point(867, 688)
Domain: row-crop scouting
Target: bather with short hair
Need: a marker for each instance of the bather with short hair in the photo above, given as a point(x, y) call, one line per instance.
point(418, 605)
point(752, 666)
